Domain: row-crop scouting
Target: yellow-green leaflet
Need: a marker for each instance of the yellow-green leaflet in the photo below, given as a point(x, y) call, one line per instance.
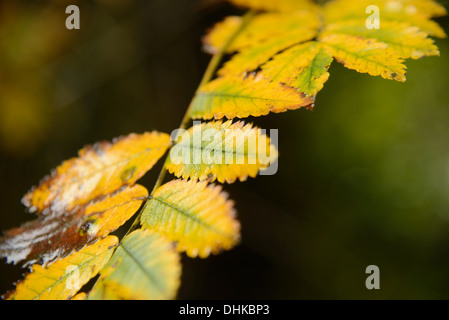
point(63, 279)
point(144, 267)
point(280, 58)
point(223, 151)
point(197, 216)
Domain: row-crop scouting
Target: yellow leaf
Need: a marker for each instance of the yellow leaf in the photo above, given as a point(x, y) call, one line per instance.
point(249, 59)
point(263, 27)
point(366, 56)
point(303, 67)
point(99, 170)
point(223, 151)
point(48, 238)
point(144, 267)
point(108, 214)
point(196, 215)
point(232, 97)
point(64, 278)
point(404, 40)
point(80, 296)
point(215, 40)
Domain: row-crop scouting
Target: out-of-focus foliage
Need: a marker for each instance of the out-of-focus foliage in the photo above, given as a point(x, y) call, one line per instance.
point(281, 57)
point(25, 96)
point(144, 267)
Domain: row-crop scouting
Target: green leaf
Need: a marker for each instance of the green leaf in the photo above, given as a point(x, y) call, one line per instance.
point(144, 267)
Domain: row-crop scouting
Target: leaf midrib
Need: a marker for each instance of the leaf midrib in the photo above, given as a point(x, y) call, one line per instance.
point(192, 217)
point(65, 276)
point(144, 270)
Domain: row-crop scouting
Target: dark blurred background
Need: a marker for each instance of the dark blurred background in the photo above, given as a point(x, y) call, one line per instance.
point(363, 179)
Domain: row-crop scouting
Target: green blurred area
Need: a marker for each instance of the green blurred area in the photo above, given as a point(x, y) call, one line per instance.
point(363, 179)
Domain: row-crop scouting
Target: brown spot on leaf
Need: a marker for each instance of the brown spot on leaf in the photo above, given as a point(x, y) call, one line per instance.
point(210, 177)
point(310, 107)
point(56, 235)
point(86, 226)
point(128, 173)
point(42, 241)
point(115, 264)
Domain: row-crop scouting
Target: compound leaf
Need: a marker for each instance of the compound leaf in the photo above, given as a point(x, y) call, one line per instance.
point(285, 51)
point(196, 215)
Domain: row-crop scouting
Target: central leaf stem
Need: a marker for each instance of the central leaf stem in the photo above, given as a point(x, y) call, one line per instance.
point(208, 75)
